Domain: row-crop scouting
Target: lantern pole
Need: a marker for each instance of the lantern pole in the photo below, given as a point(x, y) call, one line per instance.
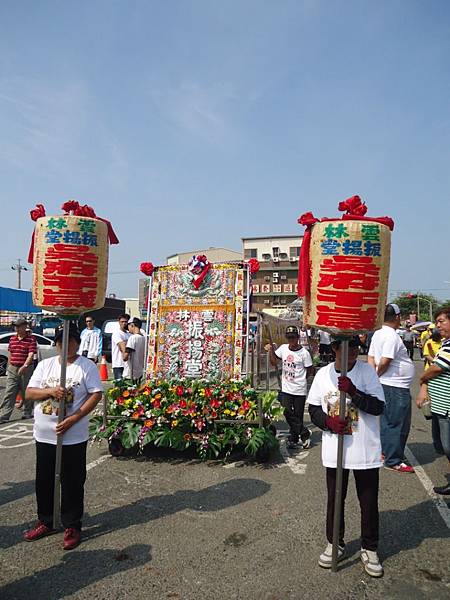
point(339, 461)
point(59, 437)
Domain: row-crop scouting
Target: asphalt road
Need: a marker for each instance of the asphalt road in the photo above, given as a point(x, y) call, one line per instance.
point(173, 527)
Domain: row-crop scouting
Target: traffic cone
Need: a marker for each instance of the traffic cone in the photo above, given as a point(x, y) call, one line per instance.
point(103, 369)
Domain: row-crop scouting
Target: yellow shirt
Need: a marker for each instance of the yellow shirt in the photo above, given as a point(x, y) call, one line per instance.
point(430, 350)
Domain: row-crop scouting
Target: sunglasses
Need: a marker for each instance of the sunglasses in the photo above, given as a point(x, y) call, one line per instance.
point(89, 321)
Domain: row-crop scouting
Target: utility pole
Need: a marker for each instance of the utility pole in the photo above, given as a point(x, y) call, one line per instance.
point(19, 268)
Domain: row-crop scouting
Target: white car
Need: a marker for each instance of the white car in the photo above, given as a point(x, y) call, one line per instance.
point(46, 348)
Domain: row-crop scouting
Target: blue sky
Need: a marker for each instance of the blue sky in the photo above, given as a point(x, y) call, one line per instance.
point(190, 124)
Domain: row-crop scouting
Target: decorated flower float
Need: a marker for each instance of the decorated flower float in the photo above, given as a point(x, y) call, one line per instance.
point(196, 393)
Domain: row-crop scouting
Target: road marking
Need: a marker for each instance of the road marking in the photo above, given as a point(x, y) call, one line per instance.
point(292, 462)
point(440, 504)
point(16, 431)
point(97, 461)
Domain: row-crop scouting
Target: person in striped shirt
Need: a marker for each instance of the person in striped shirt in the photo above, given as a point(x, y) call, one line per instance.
point(22, 348)
point(437, 380)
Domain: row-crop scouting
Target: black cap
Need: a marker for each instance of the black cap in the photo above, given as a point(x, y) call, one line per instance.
point(74, 332)
point(20, 321)
point(292, 330)
point(353, 340)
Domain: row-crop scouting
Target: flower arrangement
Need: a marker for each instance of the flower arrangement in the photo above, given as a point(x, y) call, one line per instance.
point(182, 414)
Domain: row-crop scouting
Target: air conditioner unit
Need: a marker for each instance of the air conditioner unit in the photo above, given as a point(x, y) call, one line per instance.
point(267, 256)
point(267, 278)
point(275, 275)
point(267, 301)
point(276, 259)
point(294, 258)
point(283, 277)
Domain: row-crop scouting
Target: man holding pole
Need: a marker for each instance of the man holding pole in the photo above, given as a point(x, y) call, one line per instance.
point(80, 395)
point(361, 447)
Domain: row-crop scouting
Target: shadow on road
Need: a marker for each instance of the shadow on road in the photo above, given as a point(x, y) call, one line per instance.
point(75, 571)
point(210, 499)
point(402, 530)
point(424, 451)
point(14, 491)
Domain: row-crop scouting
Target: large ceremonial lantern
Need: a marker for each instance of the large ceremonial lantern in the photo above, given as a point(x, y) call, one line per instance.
point(344, 270)
point(70, 264)
point(70, 258)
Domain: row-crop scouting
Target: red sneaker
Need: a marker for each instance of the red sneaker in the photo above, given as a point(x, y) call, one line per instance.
point(401, 468)
point(38, 531)
point(72, 538)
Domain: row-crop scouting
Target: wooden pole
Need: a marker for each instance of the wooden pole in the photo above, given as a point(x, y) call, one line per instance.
point(339, 461)
point(59, 437)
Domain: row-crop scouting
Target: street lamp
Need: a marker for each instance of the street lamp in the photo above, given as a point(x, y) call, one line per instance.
point(418, 304)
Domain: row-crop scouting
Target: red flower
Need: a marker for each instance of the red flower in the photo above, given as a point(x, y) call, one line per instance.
point(120, 401)
point(215, 403)
point(246, 405)
point(37, 212)
point(147, 268)
point(254, 265)
point(156, 403)
point(182, 403)
point(179, 390)
point(208, 392)
point(213, 414)
point(70, 205)
point(353, 206)
point(199, 423)
point(307, 219)
point(85, 211)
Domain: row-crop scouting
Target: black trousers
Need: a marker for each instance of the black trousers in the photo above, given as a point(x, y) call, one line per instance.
point(294, 407)
point(410, 347)
point(367, 489)
point(73, 476)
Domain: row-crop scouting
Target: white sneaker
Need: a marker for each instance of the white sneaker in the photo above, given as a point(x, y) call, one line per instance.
point(325, 559)
point(371, 563)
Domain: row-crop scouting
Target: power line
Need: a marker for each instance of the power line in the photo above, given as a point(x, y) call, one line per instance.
point(19, 268)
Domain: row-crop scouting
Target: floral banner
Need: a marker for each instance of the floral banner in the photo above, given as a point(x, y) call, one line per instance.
point(196, 331)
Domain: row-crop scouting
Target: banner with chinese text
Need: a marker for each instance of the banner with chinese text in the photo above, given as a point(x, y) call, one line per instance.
point(70, 265)
point(349, 276)
point(196, 333)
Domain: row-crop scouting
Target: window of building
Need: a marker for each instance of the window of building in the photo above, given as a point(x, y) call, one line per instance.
point(276, 252)
point(276, 301)
point(294, 251)
point(251, 253)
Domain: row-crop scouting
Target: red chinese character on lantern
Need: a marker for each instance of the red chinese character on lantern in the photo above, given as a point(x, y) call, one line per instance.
point(345, 272)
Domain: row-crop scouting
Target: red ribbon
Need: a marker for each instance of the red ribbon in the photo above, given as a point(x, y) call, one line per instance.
point(35, 214)
point(355, 211)
point(197, 281)
point(304, 267)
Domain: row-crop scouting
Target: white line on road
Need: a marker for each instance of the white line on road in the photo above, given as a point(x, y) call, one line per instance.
point(96, 462)
point(440, 504)
point(293, 463)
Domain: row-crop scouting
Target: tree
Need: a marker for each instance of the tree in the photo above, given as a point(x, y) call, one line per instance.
point(409, 301)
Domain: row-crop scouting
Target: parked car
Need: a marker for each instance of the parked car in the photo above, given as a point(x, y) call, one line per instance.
point(46, 348)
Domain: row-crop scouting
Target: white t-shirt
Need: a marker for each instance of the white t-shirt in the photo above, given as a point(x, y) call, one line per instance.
point(362, 449)
point(324, 337)
point(295, 362)
point(134, 366)
point(116, 354)
point(91, 342)
point(386, 342)
point(82, 380)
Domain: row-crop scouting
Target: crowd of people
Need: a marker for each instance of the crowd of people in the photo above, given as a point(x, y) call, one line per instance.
point(375, 426)
point(378, 415)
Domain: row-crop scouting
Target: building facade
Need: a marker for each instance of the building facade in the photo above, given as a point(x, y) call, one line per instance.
point(275, 284)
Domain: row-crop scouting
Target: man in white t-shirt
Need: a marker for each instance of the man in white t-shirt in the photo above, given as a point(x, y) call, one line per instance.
point(82, 393)
point(296, 367)
point(118, 344)
point(134, 355)
point(91, 340)
point(362, 446)
point(389, 357)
